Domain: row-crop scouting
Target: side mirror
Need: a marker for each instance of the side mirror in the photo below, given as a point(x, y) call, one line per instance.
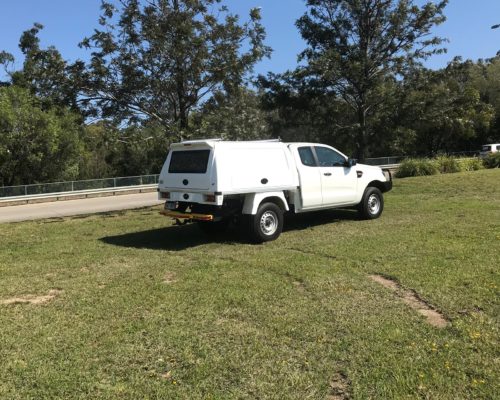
point(350, 162)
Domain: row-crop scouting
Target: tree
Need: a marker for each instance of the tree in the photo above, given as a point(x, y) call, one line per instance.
point(5, 59)
point(442, 110)
point(237, 116)
point(299, 109)
point(97, 159)
point(354, 46)
point(45, 73)
point(36, 145)
point(486, 79)
point(159, 61)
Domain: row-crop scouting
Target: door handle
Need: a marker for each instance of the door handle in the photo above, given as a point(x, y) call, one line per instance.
point(327, 174)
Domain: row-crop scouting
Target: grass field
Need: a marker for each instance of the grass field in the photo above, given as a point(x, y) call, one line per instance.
point(132, 308)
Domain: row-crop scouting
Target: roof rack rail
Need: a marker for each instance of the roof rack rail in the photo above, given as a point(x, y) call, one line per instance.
point(267, 140)
point(202, 140)
point(222, 140)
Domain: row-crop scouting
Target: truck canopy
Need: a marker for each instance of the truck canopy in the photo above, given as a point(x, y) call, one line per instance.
point(229, 167)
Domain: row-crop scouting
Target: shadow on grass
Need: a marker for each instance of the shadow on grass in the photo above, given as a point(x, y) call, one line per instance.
point(176, 238)
point(173, 238)
point(308, 220)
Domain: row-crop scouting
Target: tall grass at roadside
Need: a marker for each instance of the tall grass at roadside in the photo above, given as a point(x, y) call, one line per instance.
point(443, 164)
point(492, 161)
point(417, 167)
point(447, 164)
point(470, 164)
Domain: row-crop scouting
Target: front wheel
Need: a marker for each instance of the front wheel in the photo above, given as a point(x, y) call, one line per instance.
point(372, 203)
point(267, 224)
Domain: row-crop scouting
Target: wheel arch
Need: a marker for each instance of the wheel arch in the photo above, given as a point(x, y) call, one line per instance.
point(382, 186)
point(254, 200)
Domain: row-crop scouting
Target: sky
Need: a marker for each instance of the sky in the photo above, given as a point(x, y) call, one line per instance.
point(68, 21)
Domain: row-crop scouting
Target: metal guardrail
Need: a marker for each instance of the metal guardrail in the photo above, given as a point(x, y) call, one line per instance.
point(384, 161)
point(129, 181)
point(76, 186)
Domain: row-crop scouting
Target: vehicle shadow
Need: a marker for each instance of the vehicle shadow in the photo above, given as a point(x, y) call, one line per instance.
point(308, 220)
point(177, 238)
point(170, 238)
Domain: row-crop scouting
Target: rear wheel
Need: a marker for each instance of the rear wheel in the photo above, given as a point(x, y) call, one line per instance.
point(372, 203)
point(267, 224)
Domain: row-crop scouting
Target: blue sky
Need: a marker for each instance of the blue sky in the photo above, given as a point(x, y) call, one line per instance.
point(68, 21)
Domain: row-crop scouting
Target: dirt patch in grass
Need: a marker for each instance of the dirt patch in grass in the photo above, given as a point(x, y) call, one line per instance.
point(169, 278)
point(32, 299)
point(411, 298)
point(166, 375)
point(389, 284)
point(339, 388)
point(300, 286)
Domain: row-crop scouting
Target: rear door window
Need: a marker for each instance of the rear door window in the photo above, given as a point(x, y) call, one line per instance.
point(189, 162)
point(307, 156)
point(486, 148)
point(329, 158)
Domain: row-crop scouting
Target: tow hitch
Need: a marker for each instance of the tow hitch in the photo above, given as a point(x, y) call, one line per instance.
point(178, 216)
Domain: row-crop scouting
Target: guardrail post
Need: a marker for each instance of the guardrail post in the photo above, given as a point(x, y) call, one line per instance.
point(25, 190)
point(72, 186)
point(140, 181)
point(114, 182)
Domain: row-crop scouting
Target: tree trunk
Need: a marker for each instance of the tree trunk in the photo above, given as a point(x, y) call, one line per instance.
point(362, 134)
point(183, 116)
point(183, 122)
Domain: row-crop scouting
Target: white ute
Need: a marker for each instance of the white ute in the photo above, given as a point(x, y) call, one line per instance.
point(214, 181)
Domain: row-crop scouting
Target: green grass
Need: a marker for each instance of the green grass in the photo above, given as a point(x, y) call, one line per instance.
point(276, 321)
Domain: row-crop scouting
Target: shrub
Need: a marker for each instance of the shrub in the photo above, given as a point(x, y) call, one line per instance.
point(417, 167)
point(447, 164)
point(492, 161)
point(470, 164)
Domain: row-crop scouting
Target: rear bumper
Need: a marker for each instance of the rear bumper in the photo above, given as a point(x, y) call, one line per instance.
point(188, 216)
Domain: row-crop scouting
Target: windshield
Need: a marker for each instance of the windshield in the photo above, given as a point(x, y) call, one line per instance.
point(189, 162)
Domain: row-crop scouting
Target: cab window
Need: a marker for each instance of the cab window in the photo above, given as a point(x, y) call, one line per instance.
point(329, 158)
point(307, 156)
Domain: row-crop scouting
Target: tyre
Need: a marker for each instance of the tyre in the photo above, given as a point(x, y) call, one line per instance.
point(267, 224)
point(372, 203)
point(215, 227)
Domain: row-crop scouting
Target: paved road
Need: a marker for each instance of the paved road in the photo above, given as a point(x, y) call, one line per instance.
point(77, 207)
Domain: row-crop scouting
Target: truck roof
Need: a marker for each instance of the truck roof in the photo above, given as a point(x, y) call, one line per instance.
point(212, 142)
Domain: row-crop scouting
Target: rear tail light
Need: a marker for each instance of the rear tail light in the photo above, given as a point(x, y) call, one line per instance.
point(210, 198)
point(165, 195)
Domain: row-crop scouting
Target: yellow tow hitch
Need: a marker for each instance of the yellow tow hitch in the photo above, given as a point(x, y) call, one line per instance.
point(187, 216)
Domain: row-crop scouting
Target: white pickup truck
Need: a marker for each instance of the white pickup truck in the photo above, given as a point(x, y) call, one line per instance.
point(214, 181)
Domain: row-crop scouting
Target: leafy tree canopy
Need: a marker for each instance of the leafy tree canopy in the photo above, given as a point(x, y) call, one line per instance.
point(354, 45)
point(45, 73)
point(36, 145)
point(234, 116)
point(159, 60)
